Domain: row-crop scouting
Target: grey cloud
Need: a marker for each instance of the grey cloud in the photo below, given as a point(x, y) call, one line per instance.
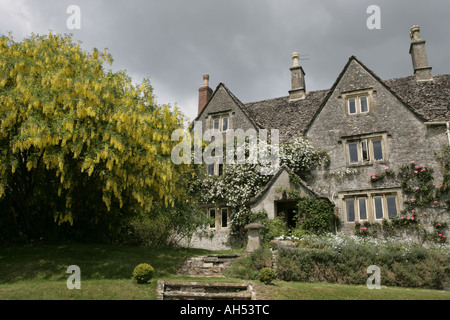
point(246, 44)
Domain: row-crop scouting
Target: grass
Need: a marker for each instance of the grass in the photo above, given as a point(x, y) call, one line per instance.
point(38, 272)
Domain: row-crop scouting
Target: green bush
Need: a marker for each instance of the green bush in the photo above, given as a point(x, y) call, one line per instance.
point(247, 267)
point(266, 275)
point(403, 265)
point(143, 273)
point(274, 228)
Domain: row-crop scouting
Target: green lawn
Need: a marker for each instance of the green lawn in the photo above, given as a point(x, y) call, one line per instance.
point(39, 273)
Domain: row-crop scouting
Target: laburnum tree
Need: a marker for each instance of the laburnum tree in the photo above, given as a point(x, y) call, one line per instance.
point(80, 146)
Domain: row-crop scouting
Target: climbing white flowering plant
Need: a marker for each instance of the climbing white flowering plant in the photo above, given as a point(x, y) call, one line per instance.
point(241, 182)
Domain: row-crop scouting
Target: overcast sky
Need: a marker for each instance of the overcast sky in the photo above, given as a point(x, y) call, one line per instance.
point(246, 44)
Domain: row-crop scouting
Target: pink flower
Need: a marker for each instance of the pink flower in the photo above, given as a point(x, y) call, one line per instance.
point(413, 210)
point(412, 199)
point(440, 186)
point(401, 218)
point(412, 218)
point(356, 220)
point(424, 213)
point(412, 162)
point(386, 168)
point(415, 171)
point(417, 188)
point(407, 218)
point(435, 202)
point(417, 167)
point(438, 225)
point(187, 200)
point(440, 234)
point(421, 166)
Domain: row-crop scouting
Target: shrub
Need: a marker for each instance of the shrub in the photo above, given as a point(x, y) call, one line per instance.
point(345, 260)
point(274, 228)
point(247, 267)
point(266, 275)
point(143, 273)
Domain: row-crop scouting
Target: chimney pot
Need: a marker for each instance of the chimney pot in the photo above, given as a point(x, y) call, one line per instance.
point(206, 80)
point(295, 57)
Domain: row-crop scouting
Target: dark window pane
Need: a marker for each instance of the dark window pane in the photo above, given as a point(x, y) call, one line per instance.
point(224, 218)
point(378, 201)
point(364, 105)
point(224, 124)
point(353, 152)
point(351, 106)
point(216, 124)
point(350, 206)
point(365, 150)
point(377, 150)
point(392, 206)
point(220, 169)
point(212, 215)
point(362, 208)
point(211, 169)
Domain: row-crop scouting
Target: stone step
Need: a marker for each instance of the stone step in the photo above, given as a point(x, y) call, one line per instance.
point(207, 266)
point(186, 290)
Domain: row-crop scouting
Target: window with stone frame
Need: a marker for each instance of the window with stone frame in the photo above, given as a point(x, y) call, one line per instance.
point(371, 206)
point(215, 169)
point(365, 150)
point(219, 217)
point(358, 104)
point(221, 122)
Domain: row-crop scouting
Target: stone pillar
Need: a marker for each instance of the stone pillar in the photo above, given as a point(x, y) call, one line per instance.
point(297, 80)
point(254, 238)
point(422, 70)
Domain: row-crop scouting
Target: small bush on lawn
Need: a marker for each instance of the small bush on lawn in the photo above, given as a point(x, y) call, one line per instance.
point(266, 275)
point(143, 273)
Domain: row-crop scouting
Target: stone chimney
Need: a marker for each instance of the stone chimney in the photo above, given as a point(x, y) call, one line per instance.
point(297, 80)
point(204, 93)
point(422, 70)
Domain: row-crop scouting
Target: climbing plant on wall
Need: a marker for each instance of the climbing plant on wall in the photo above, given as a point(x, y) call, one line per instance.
point(241, 182)
point(426, 205)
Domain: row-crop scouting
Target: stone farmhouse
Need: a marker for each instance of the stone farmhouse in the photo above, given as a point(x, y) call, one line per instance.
point(364, 123)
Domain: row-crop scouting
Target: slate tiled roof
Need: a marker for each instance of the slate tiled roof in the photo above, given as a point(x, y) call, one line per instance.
point(429, 99)
point(291, 118)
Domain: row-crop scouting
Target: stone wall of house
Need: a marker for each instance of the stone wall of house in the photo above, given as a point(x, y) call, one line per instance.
point(405, 138)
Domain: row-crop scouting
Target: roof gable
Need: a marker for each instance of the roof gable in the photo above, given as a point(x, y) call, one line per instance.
point(371, 73)
point(236, 101)
point(302, 184)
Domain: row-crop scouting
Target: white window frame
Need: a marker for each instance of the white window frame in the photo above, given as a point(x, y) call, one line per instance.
point(358, 105)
